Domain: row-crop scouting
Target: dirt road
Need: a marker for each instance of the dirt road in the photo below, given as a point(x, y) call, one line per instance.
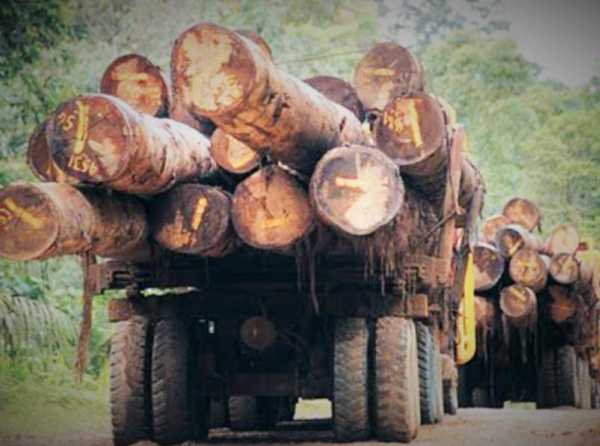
point(471, 427)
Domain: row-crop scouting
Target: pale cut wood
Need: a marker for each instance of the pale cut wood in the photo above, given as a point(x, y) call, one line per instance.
point(43, 220)
point(563, 239)
point(564, 268)
point(227, 78)
point(519, 304)
point(387, 71)
point(232, 155)
point(530, 268)
point(271, 210)
point(491, 226)
point(489, 266)
point(511, 238)
point(356, 190)
point(99, 139)
point(523, 212)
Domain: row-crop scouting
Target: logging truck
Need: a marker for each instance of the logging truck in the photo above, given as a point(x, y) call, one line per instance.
point(292, 254)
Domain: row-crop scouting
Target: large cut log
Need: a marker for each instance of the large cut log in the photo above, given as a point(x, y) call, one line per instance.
point(523, 212)
point(519, 304)
point(100, 139)
point(564, 268)
point(387, 71)
point(193, 219)
point(491, 226)
point(529, 268)
point(271, 210)
point(489, 266)
point(562, 305)
point(138, 82)
point(340, 91)
point(40, 161)
point(257, 39)
point(563, 239)
point(43, 220)
point(356, 190)
point(511, 238)
point(227, 78)
point(232, 155)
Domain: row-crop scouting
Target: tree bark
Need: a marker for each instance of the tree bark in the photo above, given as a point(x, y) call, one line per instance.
point(511, 238)
point(387, 71)
point(563, 239)
point(271, 210)
point(356, 190)
point(589, 270)
point(101, 140)
point(135, 80)
point(193, 219)
point(338, 91)
point(232, 155)
point(530, 268)
point(227, 78)
point(258, 40)
point(489, 266)
point(562, 306)
point(492, 225)
point(564, 268)
point(523, 212)
point(519, 305)
point(43, 220)
point(484, 313)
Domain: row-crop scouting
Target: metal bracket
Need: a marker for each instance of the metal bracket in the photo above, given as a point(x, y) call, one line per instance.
point(430, 270)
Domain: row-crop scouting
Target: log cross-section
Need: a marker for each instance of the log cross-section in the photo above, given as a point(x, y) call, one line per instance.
point(489, 266)
point(564, 268)
point(511, 238)
point(519, 304)
point(232, 155)
point(523, 212)
point(529, 268)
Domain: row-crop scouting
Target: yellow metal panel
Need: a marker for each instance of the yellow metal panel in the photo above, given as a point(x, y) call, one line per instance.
point(466, 336)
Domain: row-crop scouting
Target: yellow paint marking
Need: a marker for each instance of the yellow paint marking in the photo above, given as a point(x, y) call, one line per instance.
point(273, 223)
point(23, 214)
point(82, 127)
point(201, 206)
point(5, 216)
point(124, 77)
point(382, 72)
point(352, 183)
point(414, 124)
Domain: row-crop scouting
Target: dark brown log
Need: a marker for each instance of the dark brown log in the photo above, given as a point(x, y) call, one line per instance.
point(563, 305)
point(339, 91)
point(484, 313)
point(511, 238)
point(523, 212)
point(258, 40)
point(179, 113)
point(232, 155)
point(100, 139)
point(529, 268)
point(193, 219)
point(40, 161)
point(492, 225)
point(589, 270)
point(138, 82)
point(387, 71)
point(271, 210)
point(227, 78)
point(564, 268)
point(563, 239)
point(489, 266)
point(356, 190)
point(519, 304)
point(43, 220)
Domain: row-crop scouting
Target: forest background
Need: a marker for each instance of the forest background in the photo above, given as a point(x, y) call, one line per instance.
point(531, 136)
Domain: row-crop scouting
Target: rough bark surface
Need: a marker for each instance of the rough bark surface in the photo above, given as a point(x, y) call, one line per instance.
point(339, 91)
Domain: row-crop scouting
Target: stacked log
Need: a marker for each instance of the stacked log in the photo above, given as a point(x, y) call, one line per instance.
point(232, 155)
point(489, 266)
point(519, 304)
point(338, 91)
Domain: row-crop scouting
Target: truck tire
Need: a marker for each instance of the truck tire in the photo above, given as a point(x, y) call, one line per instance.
point(439, 383)
point(244, 413)
point(350, 380)
point(179, 414)
point(450, 397)
point(567, 379)
point(397, 411)
point(547, 392)
point(130, 402)
point(585, 384)
point(428, 375)
point(218, 413)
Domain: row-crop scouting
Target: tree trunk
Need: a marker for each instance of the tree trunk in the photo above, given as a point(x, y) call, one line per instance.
point(519, 305)
point(563, 239)
point(193, 219)
point(387, 71)
point(232, 155)
point(43, 220)
point(227, 78)
point(101, 140)
point(134, 79)
point(511, 238)
point(564, 268)
point(523, 212)
point(492, 225)
point(530, 268)
point(489, 266)
point(271, 210)
point(338, 91)
point(356, 190)
point(563, 306)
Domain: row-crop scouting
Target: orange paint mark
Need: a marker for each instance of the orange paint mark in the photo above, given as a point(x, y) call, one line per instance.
point(351, 183)
point(22, 214)
point(201, 206)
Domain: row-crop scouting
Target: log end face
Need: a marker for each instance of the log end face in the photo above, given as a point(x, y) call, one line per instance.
point(233, 155)
point(518, 302)
point(138, 82)
point(509, 240)
point(213, 69)
point(489, 266)
point(564, 268)
point(90, 138)
point(492, 225)
point(28, 222)
point(522, 212)
point(563, 239)
point(411, 129)
point(528, 268)
point(356, 190)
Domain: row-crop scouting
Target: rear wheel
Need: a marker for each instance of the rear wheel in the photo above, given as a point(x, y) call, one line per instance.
point(130, 355)
point(350, 380)
point(429, 374)
point(567, 382)
point(397, 412)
